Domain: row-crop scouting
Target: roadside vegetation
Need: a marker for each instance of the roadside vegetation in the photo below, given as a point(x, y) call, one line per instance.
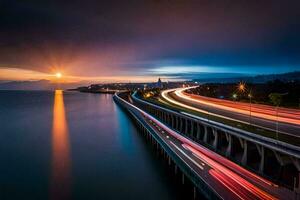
point(260, 93)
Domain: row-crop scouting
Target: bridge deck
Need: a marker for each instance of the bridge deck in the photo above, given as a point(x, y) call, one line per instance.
point(225, 178)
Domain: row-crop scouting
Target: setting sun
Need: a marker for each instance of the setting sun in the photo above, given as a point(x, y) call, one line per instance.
point(58, 75)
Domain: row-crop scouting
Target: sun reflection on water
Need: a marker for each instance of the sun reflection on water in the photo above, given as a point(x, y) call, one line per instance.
point(61, 164)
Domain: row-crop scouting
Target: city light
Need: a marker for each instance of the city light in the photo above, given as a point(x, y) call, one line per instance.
point(232, 107)
point(234, 96)
point(242, 87)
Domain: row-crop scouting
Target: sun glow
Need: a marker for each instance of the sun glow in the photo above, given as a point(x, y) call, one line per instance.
point(58, 75)
point(55, 75)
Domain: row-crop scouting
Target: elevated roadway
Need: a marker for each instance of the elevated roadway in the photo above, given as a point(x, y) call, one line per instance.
point(224, 178)
point(260, 116)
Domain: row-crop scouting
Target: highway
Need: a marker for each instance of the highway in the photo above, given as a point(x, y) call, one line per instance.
point(226, 178)
point(261, 116)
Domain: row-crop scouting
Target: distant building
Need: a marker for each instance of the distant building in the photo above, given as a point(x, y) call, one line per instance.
point(159, 83)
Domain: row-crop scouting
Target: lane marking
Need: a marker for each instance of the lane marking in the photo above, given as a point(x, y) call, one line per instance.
point(193, 161)
point(164, 94)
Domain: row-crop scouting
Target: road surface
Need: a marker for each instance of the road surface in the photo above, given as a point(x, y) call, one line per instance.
point(261, 116)
point(226, 178)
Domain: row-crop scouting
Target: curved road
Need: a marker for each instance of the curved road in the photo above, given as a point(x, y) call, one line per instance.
point(226, 178)
point(261, 116)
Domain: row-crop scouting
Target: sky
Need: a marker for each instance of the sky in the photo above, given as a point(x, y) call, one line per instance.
point(140, 40)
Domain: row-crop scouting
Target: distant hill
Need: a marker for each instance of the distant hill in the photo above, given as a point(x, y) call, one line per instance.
point(285, 77)
point(35, 85)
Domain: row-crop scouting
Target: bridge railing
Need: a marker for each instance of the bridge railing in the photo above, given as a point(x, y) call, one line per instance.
point(285, 154)
point(198, 182)
point(264, 141)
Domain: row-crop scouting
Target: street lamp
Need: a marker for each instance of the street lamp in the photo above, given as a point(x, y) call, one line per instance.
point(276, 99)
point(234, 96)
point(242, 87)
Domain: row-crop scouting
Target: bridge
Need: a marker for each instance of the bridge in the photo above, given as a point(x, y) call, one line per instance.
point(271, 158)
point(200, 149)
point(284, 121)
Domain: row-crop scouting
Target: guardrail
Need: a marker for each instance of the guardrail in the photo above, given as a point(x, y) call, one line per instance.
point(198, 182)
point(281, 147)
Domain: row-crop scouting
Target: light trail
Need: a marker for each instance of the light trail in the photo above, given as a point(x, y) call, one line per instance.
point(227, 184)
point(227, 162)
point(240, 108)
point(230, 175)
point(227, 173)
point(239, 181)
point(192, 160)
point(230, 164)
point(165, 96)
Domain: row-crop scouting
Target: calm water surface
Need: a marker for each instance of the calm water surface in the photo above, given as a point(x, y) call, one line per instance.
point(69, 145)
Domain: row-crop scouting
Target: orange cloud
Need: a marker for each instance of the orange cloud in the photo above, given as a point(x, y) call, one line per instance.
point(17, 74)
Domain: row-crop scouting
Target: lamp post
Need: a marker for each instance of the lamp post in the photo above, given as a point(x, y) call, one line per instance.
point(242, 87)
point(250, 97)
point(234, 96)
point(276, 99)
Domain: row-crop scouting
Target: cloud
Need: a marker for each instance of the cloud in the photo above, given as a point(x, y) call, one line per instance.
point(122, 38)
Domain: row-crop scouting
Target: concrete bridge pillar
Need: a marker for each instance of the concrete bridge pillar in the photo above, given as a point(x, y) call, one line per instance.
point(296, 162)
point(169, 119)
point(282, 160)
point(198, 131)
point(186, 127)
point(205, 134)
point(173, 120)
point(181, 125)
point(229, 147)
point(215, 142)
point(245, 152)
point(192, 129)
point(261, 151)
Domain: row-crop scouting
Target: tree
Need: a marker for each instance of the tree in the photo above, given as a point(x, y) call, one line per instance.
point(275, 98)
